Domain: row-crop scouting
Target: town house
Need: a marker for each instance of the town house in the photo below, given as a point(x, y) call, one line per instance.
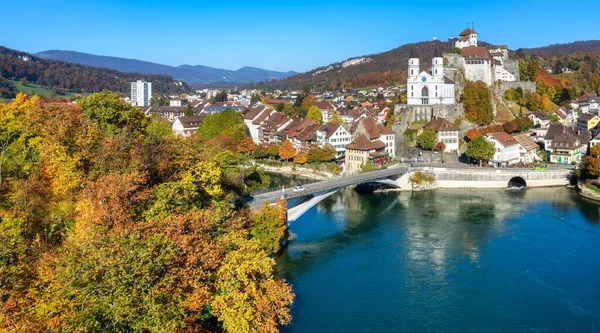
point(507, 149)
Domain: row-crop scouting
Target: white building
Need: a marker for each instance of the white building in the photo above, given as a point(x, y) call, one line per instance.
point(507, 149)
point(428, 88)
point(178, 102)
point(527, 148)
point(336, 135)
point(466, 38)
point(253, 118)
point(141, 92)
point(446, 133)
point(187, 125)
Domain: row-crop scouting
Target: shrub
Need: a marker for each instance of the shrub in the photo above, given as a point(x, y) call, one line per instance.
point(419, 177)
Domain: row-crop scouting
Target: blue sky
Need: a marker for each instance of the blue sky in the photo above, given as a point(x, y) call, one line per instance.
point(278, 35)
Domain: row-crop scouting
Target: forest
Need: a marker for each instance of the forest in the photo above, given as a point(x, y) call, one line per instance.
point(109, 222)
point(60, 76)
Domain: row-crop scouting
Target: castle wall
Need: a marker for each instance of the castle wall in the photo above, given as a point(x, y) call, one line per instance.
point(424, 113)
point(502, 87)
point(513, 67)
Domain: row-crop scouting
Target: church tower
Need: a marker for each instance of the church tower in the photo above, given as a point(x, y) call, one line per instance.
point(437, 68)
point(413, 63)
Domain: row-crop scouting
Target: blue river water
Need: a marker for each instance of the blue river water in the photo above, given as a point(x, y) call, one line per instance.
point(446, 261)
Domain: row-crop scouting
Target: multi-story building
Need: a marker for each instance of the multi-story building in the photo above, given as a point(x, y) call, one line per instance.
point(466, 38)
point(527, 148)
point(374, 131)
point(565, 148)
point(507, 149)
point(446, 133)
point(336, 135)
point(187, 125)
point(363, 151)
point(141, 92)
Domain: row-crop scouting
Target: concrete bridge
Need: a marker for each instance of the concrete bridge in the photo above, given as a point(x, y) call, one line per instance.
point(316, 192)
point(399, 177)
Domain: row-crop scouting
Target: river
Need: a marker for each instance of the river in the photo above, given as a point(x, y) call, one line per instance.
point(446, 261)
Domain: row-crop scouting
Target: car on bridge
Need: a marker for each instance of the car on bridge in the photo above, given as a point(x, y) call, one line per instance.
point(299, 188)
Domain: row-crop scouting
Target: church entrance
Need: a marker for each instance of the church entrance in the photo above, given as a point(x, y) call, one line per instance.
point(425, 96)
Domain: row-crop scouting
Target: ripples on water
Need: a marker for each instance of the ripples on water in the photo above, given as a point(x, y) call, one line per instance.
point(448, 260)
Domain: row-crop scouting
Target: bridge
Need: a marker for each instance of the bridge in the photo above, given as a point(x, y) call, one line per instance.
point(446, 176)
point(316, 192)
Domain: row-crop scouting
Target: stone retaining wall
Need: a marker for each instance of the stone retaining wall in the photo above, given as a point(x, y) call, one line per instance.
point(587, 193)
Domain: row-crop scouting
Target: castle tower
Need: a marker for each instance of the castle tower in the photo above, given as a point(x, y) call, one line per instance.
point(473, 36)
point(413, 63)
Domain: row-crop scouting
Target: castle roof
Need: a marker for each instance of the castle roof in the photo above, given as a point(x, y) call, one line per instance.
point(466, 32)
point(475, 52)
point(413, 52)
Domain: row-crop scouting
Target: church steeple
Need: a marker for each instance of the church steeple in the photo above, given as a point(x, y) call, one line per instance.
point(413, 62)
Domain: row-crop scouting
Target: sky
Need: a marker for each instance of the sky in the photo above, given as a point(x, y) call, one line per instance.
point(278, 35)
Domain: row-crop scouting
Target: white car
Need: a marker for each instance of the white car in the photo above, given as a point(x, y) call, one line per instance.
point(298, 188)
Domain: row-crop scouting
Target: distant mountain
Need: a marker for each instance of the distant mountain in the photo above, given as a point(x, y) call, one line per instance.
point(62, 76)
point(190, 74)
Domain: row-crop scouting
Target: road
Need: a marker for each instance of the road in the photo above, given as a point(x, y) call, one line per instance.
point(326, 185)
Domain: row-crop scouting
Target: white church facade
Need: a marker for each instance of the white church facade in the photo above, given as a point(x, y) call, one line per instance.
point(428, 87)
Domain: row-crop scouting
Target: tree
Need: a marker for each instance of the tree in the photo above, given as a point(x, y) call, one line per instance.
point(188, 110)
point(321, 154)
point(287, 151)
point(110, 112)
point(480, 148)
point(336, 118)
point(247, 146)
point(227, 123)
point(595, 151)
point(254, 99)
point(300, 158)
point(390, 118)
point(315, 114)
point(308, 102)
point(273, 150)
point(477, 103)
point(440, 146)
point(220, 97)
point(289, 111)
point(427, 139)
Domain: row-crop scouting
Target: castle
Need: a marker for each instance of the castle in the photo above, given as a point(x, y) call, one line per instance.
point(481, 64)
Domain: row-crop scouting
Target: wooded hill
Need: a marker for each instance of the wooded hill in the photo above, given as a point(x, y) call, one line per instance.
point(390, 67)
point(60, 76)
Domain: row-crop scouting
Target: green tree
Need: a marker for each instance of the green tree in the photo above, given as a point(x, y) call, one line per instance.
point(477, 103)
point(427, 139)
point(254, 99)
point(110, 112)
point(480, 148)
point(289, 110)
point(315, 114)
point(228, 123)
point(188, 110)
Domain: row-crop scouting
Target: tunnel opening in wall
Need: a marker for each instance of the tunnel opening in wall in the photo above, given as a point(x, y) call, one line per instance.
point(517, 182)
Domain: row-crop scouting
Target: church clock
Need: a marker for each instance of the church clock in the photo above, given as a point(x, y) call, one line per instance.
point(423, 79)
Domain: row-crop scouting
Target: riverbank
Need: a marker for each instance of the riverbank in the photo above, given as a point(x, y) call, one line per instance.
point(587, 193)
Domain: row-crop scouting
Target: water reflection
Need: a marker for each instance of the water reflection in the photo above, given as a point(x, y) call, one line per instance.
point(432, 261)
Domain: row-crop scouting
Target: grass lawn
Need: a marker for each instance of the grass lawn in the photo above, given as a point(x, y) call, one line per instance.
point(503, 114)
point(592, 187)
point(35, 89)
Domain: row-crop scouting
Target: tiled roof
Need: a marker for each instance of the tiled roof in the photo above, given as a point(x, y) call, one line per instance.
point(440, 124)
point(556, 129)
point(466, 32)
point(526, 141)
point(261, 117)
point(363, 143)
point(587, 117)
point(565, 140)
point(475, 52)
point(504, 139)
point(329, 129)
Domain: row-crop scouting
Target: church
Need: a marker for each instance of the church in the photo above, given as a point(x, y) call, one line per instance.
point(428, 87)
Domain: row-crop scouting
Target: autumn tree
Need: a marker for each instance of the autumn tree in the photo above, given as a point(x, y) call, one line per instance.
point(390, 118)
point(427, 139)
point(287, 151)
point(477, 103)
point(289, 110)
point(595, 151)
point(337, 119)
point(440, 146)
point(300, 158)
point(247, 146)
point(480, 148)
point(273, 150)
point(315, 114)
